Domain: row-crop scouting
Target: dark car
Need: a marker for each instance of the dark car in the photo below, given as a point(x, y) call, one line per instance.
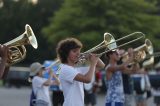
point(17, 76)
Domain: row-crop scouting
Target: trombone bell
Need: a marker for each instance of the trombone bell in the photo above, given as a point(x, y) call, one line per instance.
point(108, 43)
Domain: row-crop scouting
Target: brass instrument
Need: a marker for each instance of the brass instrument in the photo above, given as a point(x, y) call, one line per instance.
point(157, 65)
point(149, 62)
point(17, 48)
point(150, 59)
point(110, 44)
point(156, 54)
point(141, 52)
point(56, 62)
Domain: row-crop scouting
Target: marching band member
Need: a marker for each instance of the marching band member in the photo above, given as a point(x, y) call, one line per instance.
point(41, 85)
point(115, 93)
point(72, 78)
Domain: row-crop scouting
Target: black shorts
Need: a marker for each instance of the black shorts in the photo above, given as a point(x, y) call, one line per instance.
point(90, 98)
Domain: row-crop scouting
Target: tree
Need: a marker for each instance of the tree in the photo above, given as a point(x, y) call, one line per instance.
point(89, 20)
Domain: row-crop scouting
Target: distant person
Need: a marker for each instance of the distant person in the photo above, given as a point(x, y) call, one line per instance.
point(41, 85)
point(127, 83)
point(72, 77)
point(156, 87)
point(143, 87)
point(128, 89)
point(4, 55)
point(92, 88)
point(57, 94)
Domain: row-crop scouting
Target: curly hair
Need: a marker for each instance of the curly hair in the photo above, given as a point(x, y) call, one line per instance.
point(65, 46)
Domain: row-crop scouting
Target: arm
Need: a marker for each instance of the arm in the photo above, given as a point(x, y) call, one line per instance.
point(100, 64)
point(112, 68)
point(88, 76)
point(3, 55)
point(5, 72)
point(48, 82)
point(56, 82)
point(132, 69)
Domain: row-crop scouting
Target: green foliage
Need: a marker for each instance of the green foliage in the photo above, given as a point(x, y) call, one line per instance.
point(89, 20)
point(83, 19)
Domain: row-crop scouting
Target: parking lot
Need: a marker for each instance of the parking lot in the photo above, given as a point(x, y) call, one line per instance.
point(20, 97)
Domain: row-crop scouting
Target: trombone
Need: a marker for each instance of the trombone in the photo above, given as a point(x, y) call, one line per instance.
point(141, 52)
point(110, 44)
point(17, 50)
point(112, 47)
point(150, 61)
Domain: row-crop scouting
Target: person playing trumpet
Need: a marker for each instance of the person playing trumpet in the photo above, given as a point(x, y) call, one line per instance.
point(115, 92)
point(72, 77)
point(40, 85)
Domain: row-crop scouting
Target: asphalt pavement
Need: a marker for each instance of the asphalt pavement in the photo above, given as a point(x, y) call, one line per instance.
point(20, 97)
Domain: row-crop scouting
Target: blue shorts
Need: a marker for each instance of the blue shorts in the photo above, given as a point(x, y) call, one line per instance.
point(114, 104)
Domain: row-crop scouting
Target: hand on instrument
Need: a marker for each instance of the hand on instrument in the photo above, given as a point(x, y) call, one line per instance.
point(93, 59)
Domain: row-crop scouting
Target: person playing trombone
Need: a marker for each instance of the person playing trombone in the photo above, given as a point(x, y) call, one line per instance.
point(72, 77)
point(115, 93)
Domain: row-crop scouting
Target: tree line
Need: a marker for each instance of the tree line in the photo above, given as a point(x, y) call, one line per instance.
point(53, 20)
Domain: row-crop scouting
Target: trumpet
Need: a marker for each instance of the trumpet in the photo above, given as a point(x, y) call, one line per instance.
point(17, 50)
point(55, 63)
point(110, 44)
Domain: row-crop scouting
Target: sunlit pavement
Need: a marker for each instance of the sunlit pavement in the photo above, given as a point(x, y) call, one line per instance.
point(20, 97)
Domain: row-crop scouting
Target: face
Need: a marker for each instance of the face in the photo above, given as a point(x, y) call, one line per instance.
point(116, 56)
point(74, 55)
point(41, 72)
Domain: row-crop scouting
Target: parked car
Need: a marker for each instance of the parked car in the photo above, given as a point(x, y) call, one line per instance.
point(17, 76)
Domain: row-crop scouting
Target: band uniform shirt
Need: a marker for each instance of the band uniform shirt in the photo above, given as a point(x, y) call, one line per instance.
point(73, 90)
point(41, 91)
point(115, 91)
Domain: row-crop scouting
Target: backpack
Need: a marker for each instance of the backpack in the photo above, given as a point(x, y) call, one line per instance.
point(32, 98)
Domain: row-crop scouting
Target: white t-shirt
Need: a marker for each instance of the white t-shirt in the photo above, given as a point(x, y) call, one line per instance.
point(41, 91)
point(73, 90)
point(89, 86)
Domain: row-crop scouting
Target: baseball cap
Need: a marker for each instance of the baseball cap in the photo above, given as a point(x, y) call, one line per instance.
point(35, 68)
